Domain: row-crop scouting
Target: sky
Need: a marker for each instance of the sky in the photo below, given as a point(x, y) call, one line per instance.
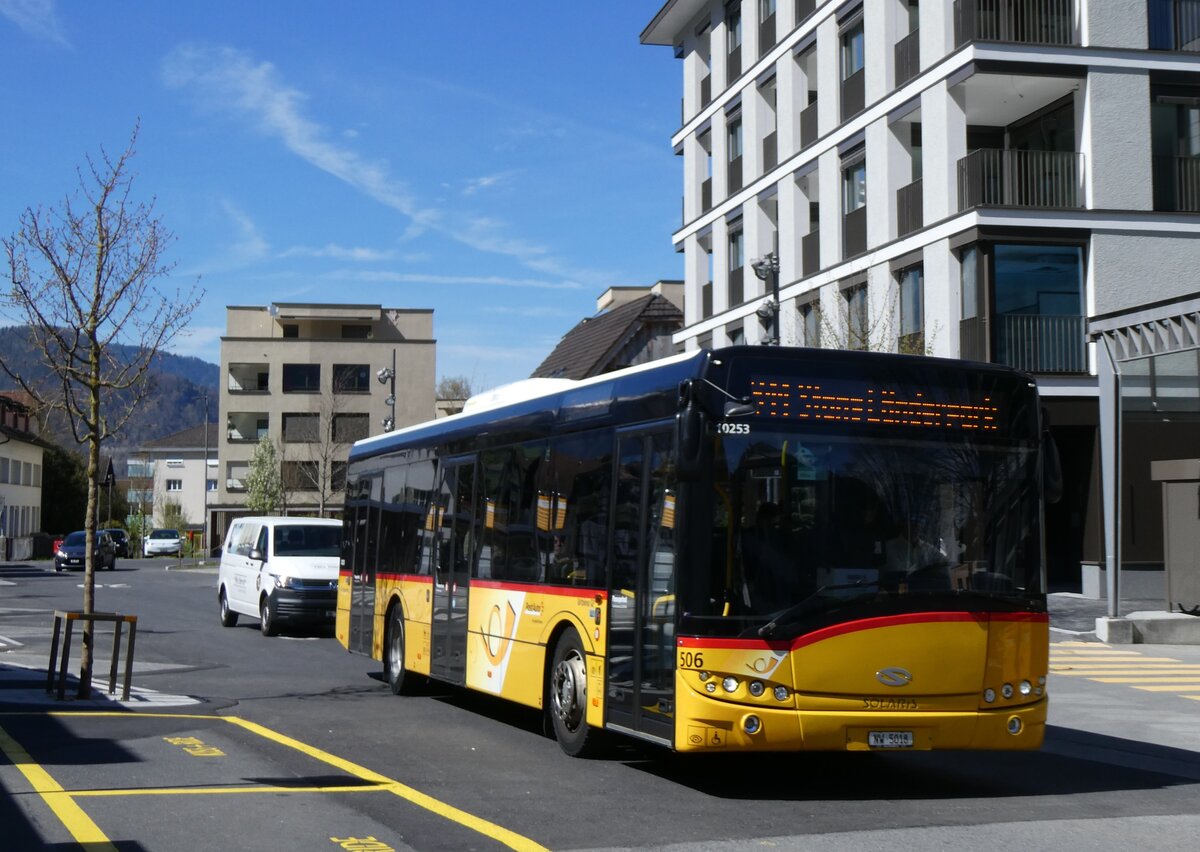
point(500, 163)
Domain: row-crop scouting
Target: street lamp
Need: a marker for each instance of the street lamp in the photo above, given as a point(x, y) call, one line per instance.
point(204, 480)
point(387, 376)
point(767, 269)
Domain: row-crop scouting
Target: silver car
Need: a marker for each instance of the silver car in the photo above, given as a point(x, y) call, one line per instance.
point(161, 542)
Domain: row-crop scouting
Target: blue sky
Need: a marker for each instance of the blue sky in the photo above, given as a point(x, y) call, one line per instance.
point(500, 163)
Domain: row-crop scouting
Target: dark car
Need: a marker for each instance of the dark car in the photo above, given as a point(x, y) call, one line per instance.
point(72, 552)
point(120, 541)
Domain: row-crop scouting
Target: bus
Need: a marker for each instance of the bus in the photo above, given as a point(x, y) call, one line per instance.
point(739, 549)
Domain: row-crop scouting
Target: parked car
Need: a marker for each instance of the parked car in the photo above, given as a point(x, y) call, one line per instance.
point(164, 542)
point(120, 541)
point(72, 552)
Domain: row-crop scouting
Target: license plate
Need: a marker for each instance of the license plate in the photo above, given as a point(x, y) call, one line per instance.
point(890, 739)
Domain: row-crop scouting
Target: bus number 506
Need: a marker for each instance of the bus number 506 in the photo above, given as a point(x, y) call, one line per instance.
point(691, 660)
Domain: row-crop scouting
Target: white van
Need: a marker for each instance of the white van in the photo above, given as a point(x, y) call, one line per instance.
point(280, 570)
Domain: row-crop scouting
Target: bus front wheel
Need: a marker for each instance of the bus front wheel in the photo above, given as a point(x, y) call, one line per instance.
point(566, 700)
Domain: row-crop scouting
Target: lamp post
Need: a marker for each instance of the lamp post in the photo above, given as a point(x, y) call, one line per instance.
point(767, 269)
point(204, 480)
point(387, 376)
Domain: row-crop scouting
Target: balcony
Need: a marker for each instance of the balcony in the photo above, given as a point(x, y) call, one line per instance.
point(808, 125)
point(853, 94)
point(770, 151)
point(1177, 184)
point(246, 427)
point(1174, 25)
point(248, 378)
point(1007, 178)
point(854, 232)
point(910, 214)
point(810, 252)
point(766, 34)
point(908, 57)
point(1031, 342)
point(1049, 22)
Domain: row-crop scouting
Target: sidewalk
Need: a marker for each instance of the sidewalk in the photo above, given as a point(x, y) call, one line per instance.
point(1074, 616)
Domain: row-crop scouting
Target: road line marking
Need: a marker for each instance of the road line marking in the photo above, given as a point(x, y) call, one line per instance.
point(1101, 672)
point(1174, 688)
point(74, 819)
point(489, 829)
point(218, 791)
point(1183, 680)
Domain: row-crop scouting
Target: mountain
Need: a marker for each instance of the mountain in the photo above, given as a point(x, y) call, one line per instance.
point(175, 402)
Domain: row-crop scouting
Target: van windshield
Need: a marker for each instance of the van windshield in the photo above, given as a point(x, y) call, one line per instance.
point(307, 540)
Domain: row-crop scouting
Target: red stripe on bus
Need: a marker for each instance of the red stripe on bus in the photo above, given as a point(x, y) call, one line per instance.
point(864, 624)
point(412, 578)
point(537, 588)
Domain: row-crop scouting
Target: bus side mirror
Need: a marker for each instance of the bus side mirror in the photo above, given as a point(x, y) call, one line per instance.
point(1052, 477)
point(690, 426)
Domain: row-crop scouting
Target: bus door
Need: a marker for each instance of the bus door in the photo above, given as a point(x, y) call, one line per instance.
point(362, 522)
point(641, 643)
point(454, 550)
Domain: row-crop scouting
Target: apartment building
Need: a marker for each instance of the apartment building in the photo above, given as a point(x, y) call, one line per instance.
point(315, 378)
point(179, 470)
point(963, 178)
point(20, 475)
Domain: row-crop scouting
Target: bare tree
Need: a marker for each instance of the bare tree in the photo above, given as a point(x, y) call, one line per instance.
point(316, 442)
point(452, 393)
point(83, 278)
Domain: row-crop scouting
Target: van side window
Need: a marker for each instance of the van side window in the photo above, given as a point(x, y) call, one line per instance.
point(261, 544)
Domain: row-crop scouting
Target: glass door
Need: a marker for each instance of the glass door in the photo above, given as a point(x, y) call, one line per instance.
point(362, 527)
point(454, 552)
point(641, 671)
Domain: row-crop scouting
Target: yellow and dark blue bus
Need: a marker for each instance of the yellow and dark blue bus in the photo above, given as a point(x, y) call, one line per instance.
point(750, 549)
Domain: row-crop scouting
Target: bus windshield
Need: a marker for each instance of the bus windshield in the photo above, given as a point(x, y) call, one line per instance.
point(846, 493)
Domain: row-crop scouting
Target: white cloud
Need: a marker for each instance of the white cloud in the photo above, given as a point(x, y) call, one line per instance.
point(486, 182)
point(533, 311)
point(353, 253)
point(38, 18)
point(382, 277)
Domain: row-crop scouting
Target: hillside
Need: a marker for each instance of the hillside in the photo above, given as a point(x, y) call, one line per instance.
point(175, 402)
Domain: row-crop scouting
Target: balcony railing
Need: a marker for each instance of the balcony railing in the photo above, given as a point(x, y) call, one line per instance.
point(1019, 21)
point(737, 286)
point(908, 57)
point(706, 91)
point(808, 125)
point(766, 34)
point(1007, 178)
point(804, 8)
point(770, 151)
point(854, 232)
point(1030, 342)
point(706, 195)
point(810, 252)
point(909, 208)
point(853, 94)
point(1174, 24)
point(1042, 344)
point(706, 302)
point(1177, 184)
point(735, 175)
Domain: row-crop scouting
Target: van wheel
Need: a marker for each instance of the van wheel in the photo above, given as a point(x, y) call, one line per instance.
point(266, 618)
point(566, 698)
point(229, 618)
point(399, 678)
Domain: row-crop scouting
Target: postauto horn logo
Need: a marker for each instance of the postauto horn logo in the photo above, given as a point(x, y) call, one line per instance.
point(894, 676)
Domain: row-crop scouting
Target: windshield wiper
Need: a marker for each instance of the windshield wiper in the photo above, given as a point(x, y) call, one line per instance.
point(767, 631)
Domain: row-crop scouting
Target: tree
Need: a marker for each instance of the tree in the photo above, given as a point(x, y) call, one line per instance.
point(315, 443)
point(264, 486)
point(84, 278)
point(452, 393)
point(64, 490)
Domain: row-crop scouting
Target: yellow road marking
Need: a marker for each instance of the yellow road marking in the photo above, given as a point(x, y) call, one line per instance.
point(216, 791)
point(1174, 688)
point(1095, 672)
point(1194, 679)
point(1126, 660)
point(79, 824)
point(489, 829)
point(1098, 652)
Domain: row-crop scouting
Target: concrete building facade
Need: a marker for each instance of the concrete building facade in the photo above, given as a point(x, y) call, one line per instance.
point(308, 376)
point(180, 470)
point(963, 178)
point(20, 473)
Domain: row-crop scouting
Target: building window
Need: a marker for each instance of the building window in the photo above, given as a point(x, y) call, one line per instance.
point(301, 476)
point(356, 332)
point(174, 484)
point(912, 311)
point(3, 470)
point(810, 324)
point(291, 330)
point(348, 428)
point(858, 332)
point(351, 378)
point(736, 332)
point(301, 378)
point(854, 186)
point(211, 484)
point(852, 50)
point(733, 26)
point(969, 280)
point(737, 263)
point(766, 8)
point(733, 137)
point(301, 428)
point(337, 476)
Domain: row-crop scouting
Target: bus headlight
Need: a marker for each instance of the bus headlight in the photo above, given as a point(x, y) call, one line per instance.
point(711, 686)
point(1007, 690)
point(989, 695)
point(757, 688)
point(730, 684)
point(752, 724)
point(1025, 687)
point(781, 693)
point(1014, 725)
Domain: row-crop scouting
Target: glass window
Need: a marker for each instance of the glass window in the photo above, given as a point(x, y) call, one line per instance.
point(307, 540)
point(766, 8)
point(737, 250)
point(810, 324)
point(912, 319)
point(858, 332)
point(348, 428)
point(301, 378)
point(291, 330)
point(301, 428)
point(733, 26)
point(854, 185)
point(301, 475)
point(174, 484)
point(969, 280)
point(211, 484)
point(351, 378)
point(852, 50)
point(734, 135)
point(572, 509)
point(1045, 280)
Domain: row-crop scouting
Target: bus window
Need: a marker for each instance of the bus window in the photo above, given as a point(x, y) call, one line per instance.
point(576, 491)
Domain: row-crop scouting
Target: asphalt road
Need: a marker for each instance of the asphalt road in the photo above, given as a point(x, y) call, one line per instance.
point(292, 743)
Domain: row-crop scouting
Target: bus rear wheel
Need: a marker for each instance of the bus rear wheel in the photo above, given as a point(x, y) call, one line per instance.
point(399, 678)
point(566, 697)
